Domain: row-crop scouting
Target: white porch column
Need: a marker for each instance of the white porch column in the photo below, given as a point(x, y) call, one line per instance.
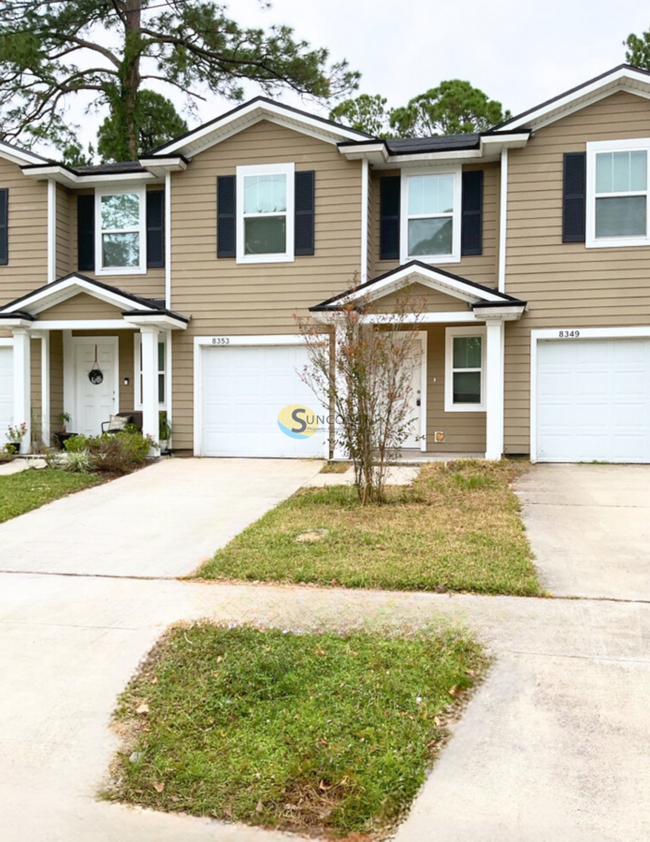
point(22, 383)
point(494, 389)
point(45, 387)
point(150, 381)
point(337, 337)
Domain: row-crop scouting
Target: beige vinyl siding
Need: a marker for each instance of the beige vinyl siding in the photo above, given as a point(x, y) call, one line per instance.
point(56, 380)
point(481, 268)
point(36, 397)
point(27, 267)
point(81, 306)
point(464, 431)
point(226, 298)
point(566, 284)
point(63, 232)
point(419, 298)
point(150, 284)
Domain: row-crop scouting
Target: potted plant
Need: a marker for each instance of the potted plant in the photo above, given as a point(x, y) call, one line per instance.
point(63, 435)
point(164, 433)
point(15, 436)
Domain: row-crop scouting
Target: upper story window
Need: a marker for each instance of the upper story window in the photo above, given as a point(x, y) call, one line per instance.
point(120, 227)
point(617, 193)
point(431, 203)
point(265, 213)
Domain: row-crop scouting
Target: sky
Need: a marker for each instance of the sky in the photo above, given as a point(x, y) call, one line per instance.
point(520, 53)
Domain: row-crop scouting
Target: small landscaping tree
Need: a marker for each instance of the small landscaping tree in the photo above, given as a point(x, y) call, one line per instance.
point(363, 372)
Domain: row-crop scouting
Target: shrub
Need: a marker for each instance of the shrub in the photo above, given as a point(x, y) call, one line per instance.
point(78, 462)
point(118, 453)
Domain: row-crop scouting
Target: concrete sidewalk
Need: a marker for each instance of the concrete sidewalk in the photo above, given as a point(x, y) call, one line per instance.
point(161, 521)
point(553, 746)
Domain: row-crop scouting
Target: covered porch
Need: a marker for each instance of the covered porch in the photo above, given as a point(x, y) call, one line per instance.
point(84, 349)
point(458, 385)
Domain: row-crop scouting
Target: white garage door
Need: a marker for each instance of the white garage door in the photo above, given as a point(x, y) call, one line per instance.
point(6, 390)
point(593, 400)
point(245, 387)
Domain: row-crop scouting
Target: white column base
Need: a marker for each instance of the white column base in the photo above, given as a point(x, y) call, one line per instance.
point(494, 389)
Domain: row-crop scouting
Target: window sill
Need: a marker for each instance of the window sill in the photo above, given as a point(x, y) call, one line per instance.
point(265, 258)
point(432, 259)
point(122, 271)
point(464, 407)
point(617, 242)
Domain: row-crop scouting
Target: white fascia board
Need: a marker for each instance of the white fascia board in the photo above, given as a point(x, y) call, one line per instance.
point(156, 320)
point(507, 313)
point(71, 179)
point(235, 122)
point(494, 143)
point(17, 322)
point(19, 156)
point(620, 79)
point(375, 153)
point(58, 292)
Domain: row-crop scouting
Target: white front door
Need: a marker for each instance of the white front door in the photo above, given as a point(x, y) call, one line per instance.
point(418, 396)
point(593, 400)
point(94, 401)
point(6, 390)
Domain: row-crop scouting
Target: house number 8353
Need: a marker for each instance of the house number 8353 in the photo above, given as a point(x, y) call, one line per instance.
point(220, 340)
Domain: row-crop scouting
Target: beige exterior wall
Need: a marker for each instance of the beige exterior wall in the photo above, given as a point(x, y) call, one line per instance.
point(63, 232)
point(81, 306)
point(56, 379)
point(224, 297)
point(566, 284)
point(481, 268)
point(419, 298)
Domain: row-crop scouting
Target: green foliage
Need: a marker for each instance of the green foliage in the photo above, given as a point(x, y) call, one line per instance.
point(454, 107)
point(20, 493)
point(309, 732)
point(117, 453)
point(638, 50)
point(78, 462)
point(365, 113)
point(157, 122)
point(51, 51)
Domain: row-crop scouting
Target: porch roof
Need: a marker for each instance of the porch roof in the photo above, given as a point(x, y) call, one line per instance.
point(479, 298)
point(133, 308)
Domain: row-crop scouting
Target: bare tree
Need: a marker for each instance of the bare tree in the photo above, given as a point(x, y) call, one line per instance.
point(362, 369)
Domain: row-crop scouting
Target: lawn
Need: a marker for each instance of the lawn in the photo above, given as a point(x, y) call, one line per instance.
point(313, 732)
point(458, 528)
point(20, 493)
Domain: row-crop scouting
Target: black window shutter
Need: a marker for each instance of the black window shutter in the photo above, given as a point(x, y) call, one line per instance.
point(226, 204)
point(389, 202)
point(471, 237)
point(304, 212)
point(574, 205)
point(86, 232)
point(155, 229)
point(4, 226)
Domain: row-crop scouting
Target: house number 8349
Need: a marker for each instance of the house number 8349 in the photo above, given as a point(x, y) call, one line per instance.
point(568, 334)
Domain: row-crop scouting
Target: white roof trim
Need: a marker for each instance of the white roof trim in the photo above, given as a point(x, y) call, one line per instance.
point(251, 113)
point(439, 281)
point(620, 79)
point(71, 179)
point(162, 320)
point(19, 156)
point(56, 293)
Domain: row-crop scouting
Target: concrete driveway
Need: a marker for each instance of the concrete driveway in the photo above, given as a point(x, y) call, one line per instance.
point(161, 521)
point(589, 526)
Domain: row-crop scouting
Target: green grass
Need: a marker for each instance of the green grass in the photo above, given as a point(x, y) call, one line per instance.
point(20, 493)
point(458, 528)
point(304, 732)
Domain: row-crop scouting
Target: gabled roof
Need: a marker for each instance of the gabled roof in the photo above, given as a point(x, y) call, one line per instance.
point(20, 156)
point(251, 112)
point(70, 285)
point(417, 272)
point(621, 78)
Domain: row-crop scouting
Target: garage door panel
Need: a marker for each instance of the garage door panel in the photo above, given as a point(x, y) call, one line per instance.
point(593, 400)
point(244, 390)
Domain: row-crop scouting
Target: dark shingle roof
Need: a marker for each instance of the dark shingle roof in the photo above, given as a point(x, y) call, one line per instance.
point(112, 168)
point(444, 143)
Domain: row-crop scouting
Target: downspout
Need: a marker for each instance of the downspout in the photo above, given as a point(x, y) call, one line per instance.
point(365, 189)
point(51, 230)
point(503, 220)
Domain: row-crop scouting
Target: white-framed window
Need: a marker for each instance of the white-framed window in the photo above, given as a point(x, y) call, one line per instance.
point(618, 176)
point(120, 231)
point(265, 208)
point(465, 369)
point(430, 218)
point(162, 371)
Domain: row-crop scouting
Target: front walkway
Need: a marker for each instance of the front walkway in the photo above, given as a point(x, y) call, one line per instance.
point(162, 521)
point(589, 526)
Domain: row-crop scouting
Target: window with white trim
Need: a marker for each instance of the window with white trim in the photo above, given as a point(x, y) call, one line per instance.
point(265, 208)
point(617, 193)
point(465, 369)
point(120, 231)
point(162, 372)
point(431, 216)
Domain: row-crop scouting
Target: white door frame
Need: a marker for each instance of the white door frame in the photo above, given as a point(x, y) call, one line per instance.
point(569, 334)
point(69, 375)
point(423, 337)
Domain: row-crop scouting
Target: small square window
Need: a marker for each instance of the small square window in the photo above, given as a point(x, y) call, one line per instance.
point(464, 370)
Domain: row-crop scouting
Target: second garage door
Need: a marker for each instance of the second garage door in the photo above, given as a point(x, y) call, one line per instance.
point(593, 400)
point(245, 387)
